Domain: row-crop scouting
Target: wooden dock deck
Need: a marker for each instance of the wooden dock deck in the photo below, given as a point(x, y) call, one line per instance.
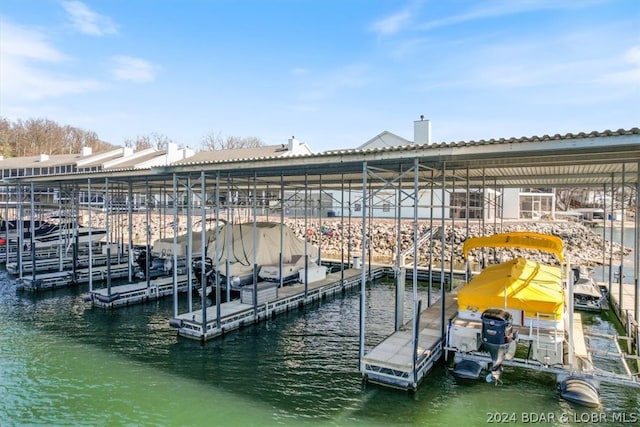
point(99, 274)
point(45, 281)
point(628, 296)
point(390, 363)
point(625, 310)
point(44, 265)
point(65, 278)
point(134, 293)
point(235, 314)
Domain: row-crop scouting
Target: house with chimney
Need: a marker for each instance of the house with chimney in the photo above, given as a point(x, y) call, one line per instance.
point(483, 203)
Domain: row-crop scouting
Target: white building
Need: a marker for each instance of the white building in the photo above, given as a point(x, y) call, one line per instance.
point(490, 203)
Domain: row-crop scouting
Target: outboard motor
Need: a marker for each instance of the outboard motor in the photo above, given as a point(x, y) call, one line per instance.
point(576, 274)
point(141, 261)
point(197, 265)
point(497, 335)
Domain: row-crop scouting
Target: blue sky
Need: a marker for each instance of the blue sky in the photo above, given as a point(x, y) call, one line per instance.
point(334, 73)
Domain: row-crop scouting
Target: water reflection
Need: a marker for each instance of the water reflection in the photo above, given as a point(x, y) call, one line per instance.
point(70, 362)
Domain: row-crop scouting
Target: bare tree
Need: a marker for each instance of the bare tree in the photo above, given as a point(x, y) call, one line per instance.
point(42, 136)
point(153, 140)
point(214, 141)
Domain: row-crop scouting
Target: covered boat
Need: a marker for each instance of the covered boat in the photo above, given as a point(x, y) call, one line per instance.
point(241, 247)
point(527, 240)
point(165, 247)
point(587, 295)
point(521, 294)
point(524, 288)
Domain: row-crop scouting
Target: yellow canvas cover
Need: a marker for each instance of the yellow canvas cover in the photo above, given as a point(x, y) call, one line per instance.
point(529, 286)
point(517, 239)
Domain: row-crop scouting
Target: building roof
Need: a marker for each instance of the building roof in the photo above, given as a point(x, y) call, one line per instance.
point(383, 140)
point(40, 161)
point(99, 161)
point(575, 160)
point(134, 161)
point(236, 154)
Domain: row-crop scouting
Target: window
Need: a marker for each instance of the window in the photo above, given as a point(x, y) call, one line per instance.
point(459, 205)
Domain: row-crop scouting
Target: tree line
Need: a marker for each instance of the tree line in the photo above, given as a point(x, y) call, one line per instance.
point(30, 137)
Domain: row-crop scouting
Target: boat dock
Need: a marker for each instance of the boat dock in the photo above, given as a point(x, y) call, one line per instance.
point(242, 312)
point(134, 293)
point(580, 366)
point(391, 362)
point(65, 278)
point(115, 271)
point(44, 281)
point(43, 265)
point(624, 310)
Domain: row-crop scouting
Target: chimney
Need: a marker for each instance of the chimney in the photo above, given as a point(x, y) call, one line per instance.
point(86, 151)
point(44, 157)
point(172, 150)
point(292, 144)
point(422, 131)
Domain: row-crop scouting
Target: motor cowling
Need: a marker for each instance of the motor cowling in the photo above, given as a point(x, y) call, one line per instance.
point(497, 326)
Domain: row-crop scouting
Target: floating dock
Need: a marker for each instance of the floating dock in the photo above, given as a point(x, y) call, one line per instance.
point(40, 253)
point(624, 310)
point(242, 312)
point(45, 265)
point(65, 278)
point(581, 366)
point(115, 271)
point(135, 293)
point(391, 362)
point(45, 281)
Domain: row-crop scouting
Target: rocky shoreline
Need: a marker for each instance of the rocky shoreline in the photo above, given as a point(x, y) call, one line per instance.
point(582, 244)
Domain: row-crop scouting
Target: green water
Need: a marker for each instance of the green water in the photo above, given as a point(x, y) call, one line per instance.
point(64, 363)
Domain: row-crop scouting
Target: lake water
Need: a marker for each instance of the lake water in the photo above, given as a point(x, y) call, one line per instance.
point(618, 235)
point(65, 363)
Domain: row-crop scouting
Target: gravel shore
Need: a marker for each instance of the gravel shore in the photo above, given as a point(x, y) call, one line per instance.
point(582, 244)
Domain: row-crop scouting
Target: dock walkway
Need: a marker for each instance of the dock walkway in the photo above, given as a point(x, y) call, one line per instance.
point(47, 265)
point(235, 314)
point(391, 362)
point(134, 293)
point(628, 297)
point(625, 310)
point(62, 279)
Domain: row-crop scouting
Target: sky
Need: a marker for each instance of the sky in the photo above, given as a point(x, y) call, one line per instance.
point(332, 73)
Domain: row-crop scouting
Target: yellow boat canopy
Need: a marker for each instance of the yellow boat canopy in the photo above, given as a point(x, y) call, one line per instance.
point(528, 286)
point(517, 239)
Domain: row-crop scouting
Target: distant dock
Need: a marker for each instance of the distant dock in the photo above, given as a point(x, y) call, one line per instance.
point(243, 312)
point(136, 293)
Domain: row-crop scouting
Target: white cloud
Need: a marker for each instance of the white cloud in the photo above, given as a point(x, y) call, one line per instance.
point(337, 81)
point(133, 69)
point(630, 76)
point(26, 43)
point(25, 55)
point(498, 8)
point(22, 81)
point(87, 21)
point(299, 71)
point(633, 56)
point(392, 23)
